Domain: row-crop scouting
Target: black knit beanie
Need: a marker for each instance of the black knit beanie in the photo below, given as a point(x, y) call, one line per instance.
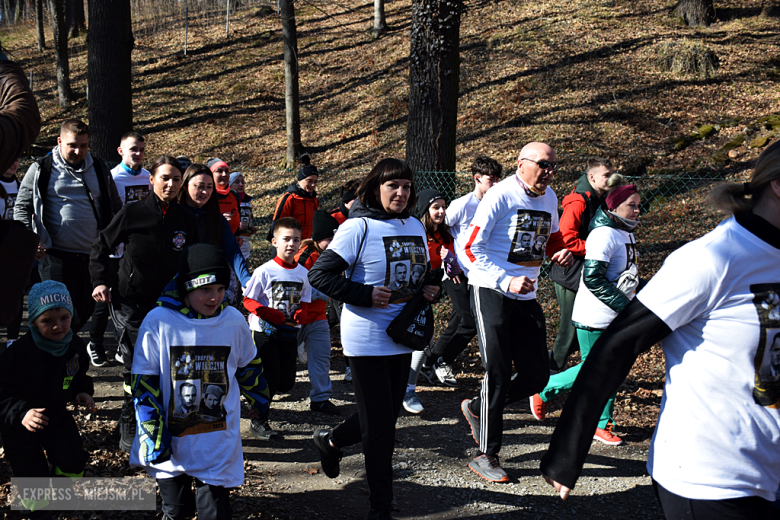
point(347, 196)
point(424, 200)
point(306, 171)
point(324, 225)
point(202, 264)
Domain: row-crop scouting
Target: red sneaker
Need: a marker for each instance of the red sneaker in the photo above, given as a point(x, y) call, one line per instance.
point(607, 437)
point(538, 407)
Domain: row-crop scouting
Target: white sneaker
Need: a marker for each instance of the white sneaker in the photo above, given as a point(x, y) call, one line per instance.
point(348, 375)
point(302, 357)
point(412, 403)
point(444, 373)
point(119, 358)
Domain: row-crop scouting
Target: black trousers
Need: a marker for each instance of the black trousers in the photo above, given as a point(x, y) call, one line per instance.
point(280, 361)
point(60, 439)
point(127, 317)
point(461, 328)
point(103, 309)
point(380, 384)
point(745, 508)
point(178, 500)
point(72, 269)
point(508, 331)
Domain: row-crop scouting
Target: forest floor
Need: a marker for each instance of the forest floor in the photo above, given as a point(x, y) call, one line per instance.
point(579, 75)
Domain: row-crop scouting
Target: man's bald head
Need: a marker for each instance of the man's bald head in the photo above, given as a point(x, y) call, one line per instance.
point(529, 169)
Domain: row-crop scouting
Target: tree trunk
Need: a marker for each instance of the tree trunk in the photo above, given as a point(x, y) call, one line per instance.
point(109, 75)
point(39, 16)
point(696, 12)
point(291, 98)
point(18, 11)
point(57, 9)
point(433, 90)
point(380, 26)
point(74, 17)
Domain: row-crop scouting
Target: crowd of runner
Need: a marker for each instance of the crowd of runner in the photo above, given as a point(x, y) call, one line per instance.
point(164, 252)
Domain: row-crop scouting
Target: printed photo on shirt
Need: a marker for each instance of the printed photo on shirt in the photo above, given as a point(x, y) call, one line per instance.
point(186, 396)
point(10, 200)
point(199, 385)
point(405, 258)
point(530, 231)
point(211, 404)
point(136, 193)
point(767, 360)
point(286, 297)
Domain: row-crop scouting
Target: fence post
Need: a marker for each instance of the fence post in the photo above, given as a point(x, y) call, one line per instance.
point(227, 19)
point(186, 23)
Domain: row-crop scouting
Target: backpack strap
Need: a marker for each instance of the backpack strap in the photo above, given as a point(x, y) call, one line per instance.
point(306, 254)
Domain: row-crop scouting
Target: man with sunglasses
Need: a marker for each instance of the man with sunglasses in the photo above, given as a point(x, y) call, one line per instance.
point(510, 322)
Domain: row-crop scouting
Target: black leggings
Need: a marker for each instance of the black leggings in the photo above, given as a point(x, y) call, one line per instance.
point(744, 508)
point(380, 383)
point(179, 502)
point(280, 361)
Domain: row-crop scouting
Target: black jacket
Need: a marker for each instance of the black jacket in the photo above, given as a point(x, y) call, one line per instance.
point(32, 378)
point(325, 275)
point(153, 241)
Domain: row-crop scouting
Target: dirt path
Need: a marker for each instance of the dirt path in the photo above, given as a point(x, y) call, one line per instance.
point(432, 481)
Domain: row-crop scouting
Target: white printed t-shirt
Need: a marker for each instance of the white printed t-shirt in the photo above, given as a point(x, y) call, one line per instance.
point(503, 239)
point(616, 247)
point(132, 187)
point(12, 189)
point(200, 353)
point(278, 288)
point(459, 215)
point(393, 252)
point(718, 434)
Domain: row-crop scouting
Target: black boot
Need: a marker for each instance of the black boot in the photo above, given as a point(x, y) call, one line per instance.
point(127, 426)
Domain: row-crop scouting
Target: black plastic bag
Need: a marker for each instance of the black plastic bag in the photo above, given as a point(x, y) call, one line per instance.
point(413, 327)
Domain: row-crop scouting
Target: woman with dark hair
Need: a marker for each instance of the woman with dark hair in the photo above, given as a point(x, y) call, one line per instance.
point(715, 305)
point(199, 197)
point(379, 243)
point(154, 232)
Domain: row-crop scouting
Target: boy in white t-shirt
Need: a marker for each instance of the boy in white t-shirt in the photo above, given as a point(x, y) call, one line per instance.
point(191, 348)
point(277, 297)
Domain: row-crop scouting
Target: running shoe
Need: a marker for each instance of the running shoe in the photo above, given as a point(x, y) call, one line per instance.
point(412, 403)
point(538, 407)
point(97, 356)
point(489, 468)
point(607, 437)
point(444, 374)
point(472, 419)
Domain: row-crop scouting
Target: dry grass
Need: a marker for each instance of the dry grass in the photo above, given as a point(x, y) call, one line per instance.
point(577, 75)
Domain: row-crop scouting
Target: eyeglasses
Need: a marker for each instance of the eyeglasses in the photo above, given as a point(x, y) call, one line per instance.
point(544, 165)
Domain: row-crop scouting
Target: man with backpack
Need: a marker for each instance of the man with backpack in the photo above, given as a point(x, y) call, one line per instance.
point(579, 207)
point(67, 197)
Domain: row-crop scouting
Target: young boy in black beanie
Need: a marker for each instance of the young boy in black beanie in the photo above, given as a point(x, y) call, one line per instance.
point(191, 345)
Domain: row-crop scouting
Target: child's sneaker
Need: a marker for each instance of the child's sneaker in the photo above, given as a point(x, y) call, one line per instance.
point(607, 437)
point(97, 356)
point(412, 403)
point(262, 430)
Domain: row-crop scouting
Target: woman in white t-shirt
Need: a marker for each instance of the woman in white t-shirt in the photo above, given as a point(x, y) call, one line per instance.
point(377, 248)
point(610, 257)
point(715, 303)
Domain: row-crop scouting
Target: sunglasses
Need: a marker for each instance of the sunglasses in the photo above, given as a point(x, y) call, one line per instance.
point(544, 165)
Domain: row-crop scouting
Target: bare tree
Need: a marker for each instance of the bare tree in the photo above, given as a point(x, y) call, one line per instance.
point(57, 9)
point(696, 12)
point(291, 97)
point(380, 26)
point(39, 16)
point(109, 75)
point(434, 72)
point(74, 17)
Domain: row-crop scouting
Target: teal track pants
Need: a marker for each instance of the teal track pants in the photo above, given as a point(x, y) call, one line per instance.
point(562, 382)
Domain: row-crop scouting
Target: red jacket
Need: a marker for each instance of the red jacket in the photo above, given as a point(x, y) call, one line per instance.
point(435, 243)
point(300, 205)
point(317, 309)
point(228, 203)
point(339, 215)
